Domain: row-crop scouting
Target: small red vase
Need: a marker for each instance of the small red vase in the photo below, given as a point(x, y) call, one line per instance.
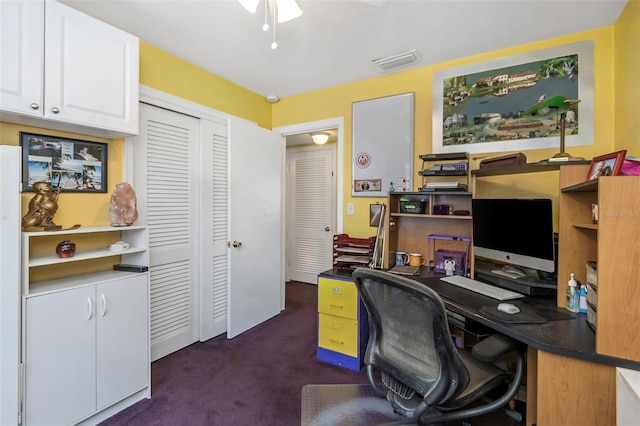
point(66, 249)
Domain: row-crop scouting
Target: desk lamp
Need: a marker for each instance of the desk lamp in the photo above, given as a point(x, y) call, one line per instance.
point(556, 105)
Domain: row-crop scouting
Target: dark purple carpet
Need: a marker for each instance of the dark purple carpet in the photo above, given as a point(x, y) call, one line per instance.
point(253, 379)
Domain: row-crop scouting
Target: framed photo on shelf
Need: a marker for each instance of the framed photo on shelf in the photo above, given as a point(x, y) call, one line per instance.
point(72, 165)
point(606, 165)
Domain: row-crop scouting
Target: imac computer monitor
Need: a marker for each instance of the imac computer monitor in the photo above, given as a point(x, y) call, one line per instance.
point(514, 232)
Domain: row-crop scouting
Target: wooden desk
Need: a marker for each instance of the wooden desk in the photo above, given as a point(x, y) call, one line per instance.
point(567, 381)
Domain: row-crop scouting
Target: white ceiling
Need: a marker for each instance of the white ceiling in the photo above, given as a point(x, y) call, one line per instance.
point(334, 41)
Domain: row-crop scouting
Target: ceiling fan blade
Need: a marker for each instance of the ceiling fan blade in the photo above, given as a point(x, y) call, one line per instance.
point(287, 10)
point(250, 5)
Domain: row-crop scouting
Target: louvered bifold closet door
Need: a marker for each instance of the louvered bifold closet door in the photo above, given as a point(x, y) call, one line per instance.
point(169, 205)
point(215, 229)
point(311, 206)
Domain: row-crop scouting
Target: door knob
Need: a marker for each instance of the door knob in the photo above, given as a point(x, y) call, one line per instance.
point(237, 243)
point(326, 228)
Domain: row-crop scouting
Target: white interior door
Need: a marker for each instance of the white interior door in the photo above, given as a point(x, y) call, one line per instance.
point(310, 211)
point(214, 228)
point(165, 179)
point(255, 184)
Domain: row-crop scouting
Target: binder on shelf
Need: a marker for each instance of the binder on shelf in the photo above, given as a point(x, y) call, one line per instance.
point(444, 156)
point(443, 184)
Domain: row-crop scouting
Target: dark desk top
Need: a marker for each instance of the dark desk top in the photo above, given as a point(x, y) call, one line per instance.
point(564, 333)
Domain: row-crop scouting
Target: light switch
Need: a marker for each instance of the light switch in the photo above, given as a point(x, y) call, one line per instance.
point(351, 209)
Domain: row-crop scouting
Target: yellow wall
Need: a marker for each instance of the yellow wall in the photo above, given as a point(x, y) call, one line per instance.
point(161, 71)
point(337, 101)
point(627, 90)
point(167, 73)
point(617, 59)
point(91, 209)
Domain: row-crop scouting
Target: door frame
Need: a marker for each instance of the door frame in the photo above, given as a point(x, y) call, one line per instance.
point(318, 126)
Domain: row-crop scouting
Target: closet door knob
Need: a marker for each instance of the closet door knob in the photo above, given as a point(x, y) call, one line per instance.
point(237, 243)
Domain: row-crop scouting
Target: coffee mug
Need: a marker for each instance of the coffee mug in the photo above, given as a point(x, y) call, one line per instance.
point(402, 258)
point(416, 259)
point(118, 246)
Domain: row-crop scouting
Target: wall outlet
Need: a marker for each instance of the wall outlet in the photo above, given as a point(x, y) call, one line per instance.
point(351, 209)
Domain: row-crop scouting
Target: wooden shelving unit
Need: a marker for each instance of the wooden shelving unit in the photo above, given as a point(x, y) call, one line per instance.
point(613, 244)
point(409, 232)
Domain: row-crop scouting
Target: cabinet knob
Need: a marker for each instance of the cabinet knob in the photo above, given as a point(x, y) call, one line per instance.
point(55, 110)
point(35, 106)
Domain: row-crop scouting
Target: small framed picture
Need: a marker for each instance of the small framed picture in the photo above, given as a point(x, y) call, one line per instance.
point(375, 212)
point(606, 165)
point(69, 164)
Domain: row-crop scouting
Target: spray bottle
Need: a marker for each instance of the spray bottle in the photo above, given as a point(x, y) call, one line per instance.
point(583, 299)
point(573, 295)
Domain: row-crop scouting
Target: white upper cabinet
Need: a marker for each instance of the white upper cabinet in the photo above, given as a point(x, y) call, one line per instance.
point(22, 54)
point(72, 70)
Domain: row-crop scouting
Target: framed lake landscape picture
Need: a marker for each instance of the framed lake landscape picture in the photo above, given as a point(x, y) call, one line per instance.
point(69, 164)
point(511, 103)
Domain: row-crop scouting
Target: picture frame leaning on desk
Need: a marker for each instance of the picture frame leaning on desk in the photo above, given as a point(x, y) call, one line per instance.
point(606, 165)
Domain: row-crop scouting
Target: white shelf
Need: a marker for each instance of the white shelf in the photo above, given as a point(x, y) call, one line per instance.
point(136, 236)
point(86, 230)
point(85, 255)
point(49, 286)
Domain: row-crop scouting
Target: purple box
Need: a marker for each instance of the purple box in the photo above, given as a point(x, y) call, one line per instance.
point(442, 209)
point(456, 255)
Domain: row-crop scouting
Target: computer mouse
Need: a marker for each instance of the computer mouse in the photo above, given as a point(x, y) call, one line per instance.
point(508, 308)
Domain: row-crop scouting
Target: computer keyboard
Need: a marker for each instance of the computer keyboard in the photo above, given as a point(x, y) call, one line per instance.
point(481, 288)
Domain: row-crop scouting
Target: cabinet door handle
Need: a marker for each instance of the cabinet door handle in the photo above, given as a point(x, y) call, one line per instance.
point(55, 110)
point(103, 310)
point(35, 106)
point(336, 306)
point(337, 342)
point(90, 309)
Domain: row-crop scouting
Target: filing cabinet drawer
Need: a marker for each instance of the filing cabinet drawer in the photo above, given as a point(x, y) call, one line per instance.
point(337, 297)
point(338, 334)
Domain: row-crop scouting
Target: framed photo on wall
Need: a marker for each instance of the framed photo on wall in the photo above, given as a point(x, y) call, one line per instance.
point(72, 165)
point(486, 106)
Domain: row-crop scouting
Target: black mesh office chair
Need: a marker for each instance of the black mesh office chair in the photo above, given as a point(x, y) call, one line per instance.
point(424, 376)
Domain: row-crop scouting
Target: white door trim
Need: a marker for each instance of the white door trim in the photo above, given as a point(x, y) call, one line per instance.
point(315, 126)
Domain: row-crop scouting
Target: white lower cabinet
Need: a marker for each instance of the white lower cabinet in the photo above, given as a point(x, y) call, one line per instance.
point(85, 347)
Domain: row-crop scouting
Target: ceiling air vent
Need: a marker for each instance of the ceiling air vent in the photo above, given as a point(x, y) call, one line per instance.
point(396, 61)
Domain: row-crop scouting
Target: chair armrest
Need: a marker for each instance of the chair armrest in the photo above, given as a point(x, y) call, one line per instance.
point(493, 347)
